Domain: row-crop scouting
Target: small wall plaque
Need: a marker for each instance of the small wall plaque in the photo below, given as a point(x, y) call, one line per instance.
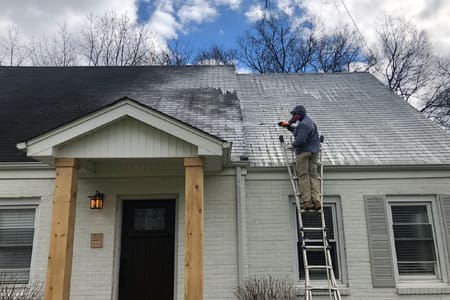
point(96, 240)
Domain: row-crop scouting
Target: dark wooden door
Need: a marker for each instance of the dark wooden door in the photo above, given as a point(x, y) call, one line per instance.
point(147, 255)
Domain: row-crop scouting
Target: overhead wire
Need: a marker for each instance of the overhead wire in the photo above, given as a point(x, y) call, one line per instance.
point(361, 36)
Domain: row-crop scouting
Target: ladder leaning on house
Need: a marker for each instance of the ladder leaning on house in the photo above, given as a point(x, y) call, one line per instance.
point(312, 239)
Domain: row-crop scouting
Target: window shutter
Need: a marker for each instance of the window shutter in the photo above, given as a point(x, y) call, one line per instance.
point(379, 242)
point(445, 207)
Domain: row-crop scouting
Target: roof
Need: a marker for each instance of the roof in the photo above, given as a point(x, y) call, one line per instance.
point(34, 100)
point(364, 123)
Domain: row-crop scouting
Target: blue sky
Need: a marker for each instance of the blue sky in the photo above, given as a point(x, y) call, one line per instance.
point(220, 25)
point(223, 31)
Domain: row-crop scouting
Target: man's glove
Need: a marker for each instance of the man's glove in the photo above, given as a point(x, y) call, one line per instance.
point(287, 125)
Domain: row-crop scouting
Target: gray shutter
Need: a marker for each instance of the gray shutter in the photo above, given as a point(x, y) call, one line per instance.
point(445, 207)
point(379, 242)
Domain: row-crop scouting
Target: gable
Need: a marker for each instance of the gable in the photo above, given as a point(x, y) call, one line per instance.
point(127, 138)
point(125, 129)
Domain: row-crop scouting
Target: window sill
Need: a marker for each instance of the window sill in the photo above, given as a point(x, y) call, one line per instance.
point(422, 289)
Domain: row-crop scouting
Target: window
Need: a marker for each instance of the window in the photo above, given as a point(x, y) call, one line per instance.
point(16, 242)
point(318, 257)
point(414, 239)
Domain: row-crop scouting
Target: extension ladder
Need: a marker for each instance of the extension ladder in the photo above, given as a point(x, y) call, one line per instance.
point(311, 238)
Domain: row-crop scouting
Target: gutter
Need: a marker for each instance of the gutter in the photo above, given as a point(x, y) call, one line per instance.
point(428, 167)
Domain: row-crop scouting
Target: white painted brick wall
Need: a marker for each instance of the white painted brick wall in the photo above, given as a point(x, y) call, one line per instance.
point(269, 226)
point(271, 239)
point(220, 246)
point(94, 271)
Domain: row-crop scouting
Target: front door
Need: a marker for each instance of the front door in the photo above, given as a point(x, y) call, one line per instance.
point(147, 257)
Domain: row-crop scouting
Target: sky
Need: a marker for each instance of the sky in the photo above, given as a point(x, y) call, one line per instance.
point(201, 23)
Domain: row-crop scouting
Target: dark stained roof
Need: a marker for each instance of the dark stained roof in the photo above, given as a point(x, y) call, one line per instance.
point(364, 122)
point(36, 100)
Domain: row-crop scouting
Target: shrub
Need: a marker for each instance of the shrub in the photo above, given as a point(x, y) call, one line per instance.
point(13, 288)
point(266, 288)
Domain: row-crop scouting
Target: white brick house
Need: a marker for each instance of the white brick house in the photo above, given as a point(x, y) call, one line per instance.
point(188, 159)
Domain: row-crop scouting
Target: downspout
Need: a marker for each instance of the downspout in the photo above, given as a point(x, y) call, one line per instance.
point(241, 216)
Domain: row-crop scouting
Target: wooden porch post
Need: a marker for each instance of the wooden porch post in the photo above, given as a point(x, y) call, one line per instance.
point(193, 242)
point(57, 286)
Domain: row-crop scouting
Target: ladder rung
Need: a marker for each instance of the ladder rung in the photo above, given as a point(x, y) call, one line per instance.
point(315, 247)
point(317, 267)
point(312, 229)
point(321, 288)
point(312, 210)
point(313, 241)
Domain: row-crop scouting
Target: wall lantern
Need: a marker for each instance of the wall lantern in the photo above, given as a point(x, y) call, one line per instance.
point(97, 200)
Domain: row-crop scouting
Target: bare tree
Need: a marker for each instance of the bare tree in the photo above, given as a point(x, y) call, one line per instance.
point(275, 45)
point(59, 50)
point(404, 57)
point(437, 107)
point(337, 51)
point(216, 55)
point(113, 40)
point(176, 54)
point(13, 46)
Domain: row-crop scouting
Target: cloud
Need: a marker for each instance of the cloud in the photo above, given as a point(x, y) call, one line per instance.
point(233, 4)
point(197, 11)
point(286, 6)
point(255, 13)
point(163, 22)
point(36, 18)
point(429, 15)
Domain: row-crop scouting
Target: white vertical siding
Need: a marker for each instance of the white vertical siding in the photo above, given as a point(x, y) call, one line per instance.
point(127, 138)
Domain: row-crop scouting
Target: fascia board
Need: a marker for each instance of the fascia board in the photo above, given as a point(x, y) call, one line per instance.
point(44, 144)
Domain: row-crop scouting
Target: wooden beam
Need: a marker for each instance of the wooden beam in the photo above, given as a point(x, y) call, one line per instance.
point(193, 242)
point(59, 271)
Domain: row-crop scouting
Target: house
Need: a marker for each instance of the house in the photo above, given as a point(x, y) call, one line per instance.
point(196, 194)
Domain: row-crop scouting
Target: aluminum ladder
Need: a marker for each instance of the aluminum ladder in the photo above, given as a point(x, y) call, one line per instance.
point(314, 243)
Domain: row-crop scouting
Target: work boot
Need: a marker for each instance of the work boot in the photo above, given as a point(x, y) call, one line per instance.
point(307, 205)
point(317, 205)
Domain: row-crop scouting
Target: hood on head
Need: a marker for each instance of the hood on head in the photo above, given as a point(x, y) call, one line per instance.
point(299, 110)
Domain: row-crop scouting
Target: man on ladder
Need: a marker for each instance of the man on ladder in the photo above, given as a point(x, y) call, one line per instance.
point(307, 148)
point(308, 187)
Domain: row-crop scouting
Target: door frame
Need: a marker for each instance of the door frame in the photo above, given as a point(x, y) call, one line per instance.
point(118, 236)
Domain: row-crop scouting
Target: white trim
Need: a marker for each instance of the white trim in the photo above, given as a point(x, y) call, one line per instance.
point(241, 220)
point(44, 145)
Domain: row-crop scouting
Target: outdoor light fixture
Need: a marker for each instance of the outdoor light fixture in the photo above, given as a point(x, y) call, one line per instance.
point(96, 200)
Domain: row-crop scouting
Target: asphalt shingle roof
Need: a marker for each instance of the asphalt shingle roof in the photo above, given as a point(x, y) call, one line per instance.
point(36, 100)
point(364, 123)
